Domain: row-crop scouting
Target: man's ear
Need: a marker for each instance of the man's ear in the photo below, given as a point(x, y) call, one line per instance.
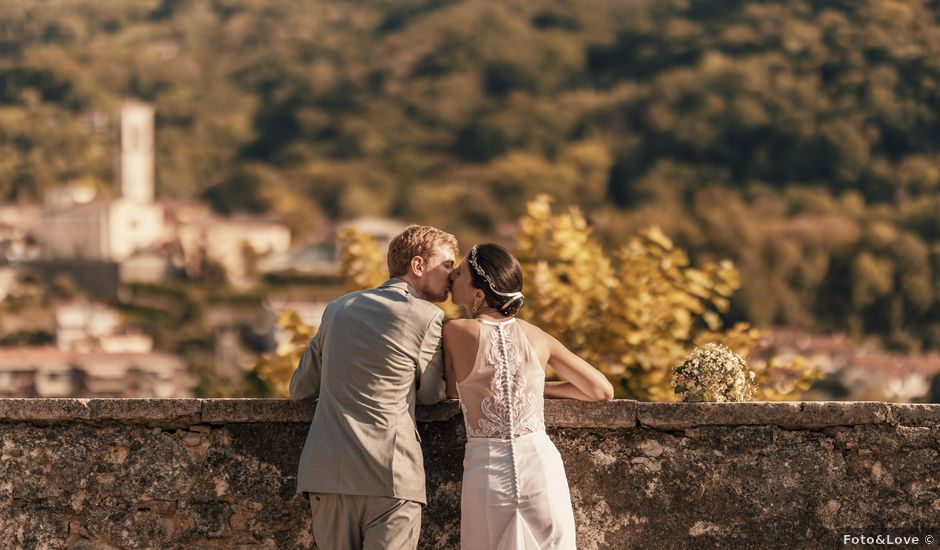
point(417, 266)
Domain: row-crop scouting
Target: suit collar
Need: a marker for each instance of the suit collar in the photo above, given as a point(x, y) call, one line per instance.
point(400, 284)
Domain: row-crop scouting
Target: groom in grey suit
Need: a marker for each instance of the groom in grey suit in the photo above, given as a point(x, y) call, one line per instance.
point(375, 354)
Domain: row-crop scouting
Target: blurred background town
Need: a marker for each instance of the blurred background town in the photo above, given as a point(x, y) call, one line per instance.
point(176, 174)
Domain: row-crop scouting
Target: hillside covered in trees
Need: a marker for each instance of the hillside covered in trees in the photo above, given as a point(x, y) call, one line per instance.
point(801, 139)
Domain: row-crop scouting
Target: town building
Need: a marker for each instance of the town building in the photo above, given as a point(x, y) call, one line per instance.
point(852, 370)
point(51, 372)
point(78, 226)
point(234, 243)
point(94, 356)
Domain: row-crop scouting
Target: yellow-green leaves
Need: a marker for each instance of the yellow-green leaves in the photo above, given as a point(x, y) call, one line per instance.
point(636, 314)
point(363, 264)
point(276, 369)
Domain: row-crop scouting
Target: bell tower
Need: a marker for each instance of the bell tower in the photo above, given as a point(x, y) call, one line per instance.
point(136, 136)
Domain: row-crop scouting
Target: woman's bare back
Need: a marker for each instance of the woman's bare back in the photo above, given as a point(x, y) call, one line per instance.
point(462, 341)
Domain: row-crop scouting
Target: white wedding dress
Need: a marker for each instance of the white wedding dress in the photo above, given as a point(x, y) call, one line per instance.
point(515, 492)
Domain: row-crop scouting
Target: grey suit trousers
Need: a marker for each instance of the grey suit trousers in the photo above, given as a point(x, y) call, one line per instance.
point(356, 522)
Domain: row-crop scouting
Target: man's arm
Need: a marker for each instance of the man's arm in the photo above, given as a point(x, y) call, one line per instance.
point(430, 372)
point(305, 381)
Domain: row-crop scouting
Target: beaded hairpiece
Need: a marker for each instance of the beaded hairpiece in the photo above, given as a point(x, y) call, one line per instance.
point(513, 296)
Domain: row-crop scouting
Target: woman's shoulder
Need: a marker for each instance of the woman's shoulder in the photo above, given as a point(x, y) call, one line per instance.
point(459, 327)
point(460, 322)
point(538, 338)
point(531, 330)
point(460, 335)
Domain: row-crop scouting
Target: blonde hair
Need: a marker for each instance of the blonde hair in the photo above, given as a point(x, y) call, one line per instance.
point(416, 240)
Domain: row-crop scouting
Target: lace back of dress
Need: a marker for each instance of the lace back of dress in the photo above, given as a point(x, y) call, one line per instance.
point(503, 395)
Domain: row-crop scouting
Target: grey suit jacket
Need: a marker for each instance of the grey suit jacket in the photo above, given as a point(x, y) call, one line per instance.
point(375, 353)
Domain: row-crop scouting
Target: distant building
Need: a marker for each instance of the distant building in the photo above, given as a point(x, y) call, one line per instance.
point(319, 259)
point(18, 224)
point(68, 196)
point(827, 352)
point(852, 370)
point(382, 230)
point(84, 327)
point(104, 229)
point(237, 244)
point(77, 226)
point(322, 256)
point(94, 356)
point(894, 377)
point(147, 266)
point(136, 168)
point(80, 324)
point(51, 372)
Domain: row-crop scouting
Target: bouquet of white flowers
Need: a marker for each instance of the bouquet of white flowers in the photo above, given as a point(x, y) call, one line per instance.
point(713, 373)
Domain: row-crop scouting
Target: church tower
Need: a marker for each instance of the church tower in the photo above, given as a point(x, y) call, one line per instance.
point(137, 151)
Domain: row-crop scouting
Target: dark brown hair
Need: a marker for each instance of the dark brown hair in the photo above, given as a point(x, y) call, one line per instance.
point(504, 270)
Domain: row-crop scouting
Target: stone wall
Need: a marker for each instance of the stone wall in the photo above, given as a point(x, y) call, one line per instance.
point(194, 473)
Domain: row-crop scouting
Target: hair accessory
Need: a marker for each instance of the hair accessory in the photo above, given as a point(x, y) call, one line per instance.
point(472, 259)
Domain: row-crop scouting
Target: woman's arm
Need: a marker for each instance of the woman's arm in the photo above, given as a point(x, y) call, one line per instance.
point(581, 380)
point(563, 389)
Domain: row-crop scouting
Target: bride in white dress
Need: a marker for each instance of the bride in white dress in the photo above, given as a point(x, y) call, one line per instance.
point(515, 493)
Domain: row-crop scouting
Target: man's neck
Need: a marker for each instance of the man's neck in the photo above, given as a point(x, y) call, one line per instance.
point(410, 279)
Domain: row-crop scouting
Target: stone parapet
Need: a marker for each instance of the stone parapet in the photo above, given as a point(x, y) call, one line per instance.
point(221, 473)
point(559, 413)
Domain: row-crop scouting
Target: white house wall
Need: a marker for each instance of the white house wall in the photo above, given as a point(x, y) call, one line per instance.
point(133, 227)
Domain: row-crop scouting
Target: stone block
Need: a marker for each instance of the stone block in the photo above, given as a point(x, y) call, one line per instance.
point(915, 414)
point(441, 412)
point(147, 411)
point(570, 413)
point(222, 411)
point(788, 414)
point(44, 409)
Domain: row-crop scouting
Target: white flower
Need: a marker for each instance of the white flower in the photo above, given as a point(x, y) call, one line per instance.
point(713, 373)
